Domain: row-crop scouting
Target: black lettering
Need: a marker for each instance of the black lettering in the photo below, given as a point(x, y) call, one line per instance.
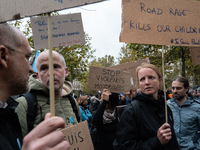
point(159, 28)
point(80, 136)
point(131, 24)
point(112, 73)
point(153, 11)
point(142, 7)
point(71, 141)
point(117, 72)
point(96, 86)
point(75, 137)
point(104, 72)
point(160, 11)
point(98, 77)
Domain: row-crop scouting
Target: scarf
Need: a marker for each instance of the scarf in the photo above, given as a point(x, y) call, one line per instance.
point(108, 116)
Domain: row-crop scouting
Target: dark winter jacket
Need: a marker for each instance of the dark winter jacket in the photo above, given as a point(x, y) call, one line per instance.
point(105, 132)
point(141, 134)
point(10, 130)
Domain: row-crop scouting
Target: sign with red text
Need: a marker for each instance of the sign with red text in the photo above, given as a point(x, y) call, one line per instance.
point(161, 22)
point(17, 9)
point(114, 80)
point(131, 67)
point(78, 136)
point(195, 55)
point(67, 30)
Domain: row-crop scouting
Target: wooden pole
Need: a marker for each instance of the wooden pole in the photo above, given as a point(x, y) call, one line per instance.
point(51, 80)
point(163, 70)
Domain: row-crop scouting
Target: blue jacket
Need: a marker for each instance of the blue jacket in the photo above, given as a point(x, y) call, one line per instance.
point(85, 113)
point(186, 123)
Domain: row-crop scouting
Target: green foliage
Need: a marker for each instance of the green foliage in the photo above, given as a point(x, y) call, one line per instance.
point(172, 60)
point(76, 58)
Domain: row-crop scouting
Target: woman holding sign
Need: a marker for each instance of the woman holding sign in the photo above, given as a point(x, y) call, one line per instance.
point(142, 125)
point(105, 121)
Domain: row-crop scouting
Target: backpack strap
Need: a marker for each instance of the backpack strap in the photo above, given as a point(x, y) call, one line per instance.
point(32, 109)
point(136, 107)
point(74, 107)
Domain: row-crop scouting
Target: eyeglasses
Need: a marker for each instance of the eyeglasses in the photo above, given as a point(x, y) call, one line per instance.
point(26, 54)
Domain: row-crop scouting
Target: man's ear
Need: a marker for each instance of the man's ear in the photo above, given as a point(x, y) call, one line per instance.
point(3, 56)
point(66, 72)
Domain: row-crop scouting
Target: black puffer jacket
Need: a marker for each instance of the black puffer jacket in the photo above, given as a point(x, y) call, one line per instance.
point(10, 129)
point(141, 134)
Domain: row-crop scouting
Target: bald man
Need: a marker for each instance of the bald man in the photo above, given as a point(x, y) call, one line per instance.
point(14, 74)
point(39, 85)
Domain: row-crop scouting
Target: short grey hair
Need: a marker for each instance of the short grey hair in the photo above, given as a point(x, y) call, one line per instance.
point(10, 36)
point(60, 55)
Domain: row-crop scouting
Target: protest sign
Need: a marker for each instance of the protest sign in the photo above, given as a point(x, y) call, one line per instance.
point(131, 67)
point(78, 136)
point(195, 54)
point(66, 30)
point(107, 78)
point(161, 22)
point(17, 9)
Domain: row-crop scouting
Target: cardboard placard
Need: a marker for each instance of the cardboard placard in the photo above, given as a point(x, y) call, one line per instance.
point(131, 67)
point(66, 30)
point(161, 22)
point(195, 54)
point(107, 78)
point(78, 136)
point(17, 9)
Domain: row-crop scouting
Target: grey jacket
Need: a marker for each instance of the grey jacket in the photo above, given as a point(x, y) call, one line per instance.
point(186, 123)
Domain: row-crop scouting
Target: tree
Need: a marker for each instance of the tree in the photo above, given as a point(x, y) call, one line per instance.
point(177, 60)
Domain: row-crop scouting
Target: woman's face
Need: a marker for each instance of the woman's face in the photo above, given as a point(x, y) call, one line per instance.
point(149, 82)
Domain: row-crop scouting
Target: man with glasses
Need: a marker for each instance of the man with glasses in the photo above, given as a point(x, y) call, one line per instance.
point(14, 74)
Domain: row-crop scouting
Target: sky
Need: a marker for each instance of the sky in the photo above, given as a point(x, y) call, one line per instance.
point(102, 22)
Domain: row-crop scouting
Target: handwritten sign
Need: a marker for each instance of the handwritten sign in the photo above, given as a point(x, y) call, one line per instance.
point(17, 9)
point(161, 22)
point(107, 78)
point(131, 67)
point(195, 54)
point(66, 30)
point(78, 136)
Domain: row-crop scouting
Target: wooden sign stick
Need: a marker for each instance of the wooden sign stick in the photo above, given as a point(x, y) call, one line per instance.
point(51, 80)
point(163, 69)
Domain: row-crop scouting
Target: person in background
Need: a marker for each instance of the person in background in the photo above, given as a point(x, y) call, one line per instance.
point(195, 91)
point(89, 99)
point(198, 94)
point(95, 103)
point(142, 124)
point(169, 93)
point(105, 121)
point(14, 74)
point(132, 92)
point(186, 114)
point(127, 98)
point(85, 113)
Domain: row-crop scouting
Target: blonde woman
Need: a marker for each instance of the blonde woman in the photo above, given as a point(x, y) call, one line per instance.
point(142, 125)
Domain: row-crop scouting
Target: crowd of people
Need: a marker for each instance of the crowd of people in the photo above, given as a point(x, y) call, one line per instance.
point(27, 124)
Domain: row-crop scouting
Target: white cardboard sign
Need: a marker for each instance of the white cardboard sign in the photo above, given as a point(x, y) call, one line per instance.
point(17, 9)
point(67, 30)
